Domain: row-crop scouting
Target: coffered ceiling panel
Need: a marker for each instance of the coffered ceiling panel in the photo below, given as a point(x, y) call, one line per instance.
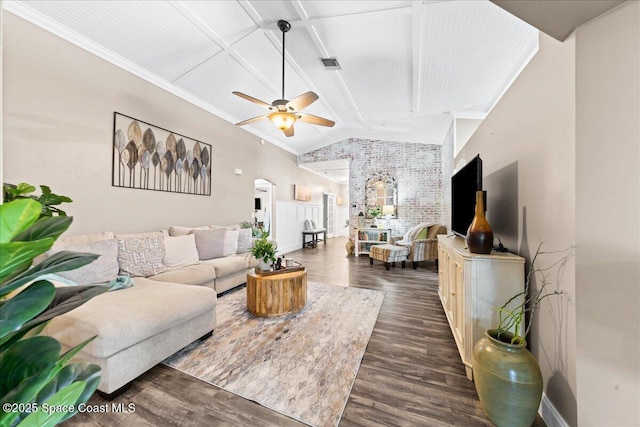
point(406, 67)
point(225, 18)
point(152, 35)
point(325, 9)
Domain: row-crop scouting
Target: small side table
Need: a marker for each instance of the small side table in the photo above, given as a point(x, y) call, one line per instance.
point(276, 294)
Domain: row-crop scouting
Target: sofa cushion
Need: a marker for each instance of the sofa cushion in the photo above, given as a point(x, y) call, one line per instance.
point(245, 240)
point(103, 269)
point(210, 243)
point(126, 317)
point(226, 227)
point(228, 265)
point(83, 239)
point(180, 251)
point(140, 255)
point(231, 242)
point(195, 274)
point(178, 230)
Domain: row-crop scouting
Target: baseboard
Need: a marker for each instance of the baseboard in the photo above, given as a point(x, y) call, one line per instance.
point(288, 249)
point(550, 414)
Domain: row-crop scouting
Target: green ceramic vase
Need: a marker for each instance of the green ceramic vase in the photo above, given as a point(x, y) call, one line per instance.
point(508, 380)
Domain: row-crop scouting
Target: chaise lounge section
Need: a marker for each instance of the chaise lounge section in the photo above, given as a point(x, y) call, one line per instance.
point(176, 279)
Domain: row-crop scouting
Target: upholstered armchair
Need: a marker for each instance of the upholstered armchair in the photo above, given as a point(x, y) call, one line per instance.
point(422, 241)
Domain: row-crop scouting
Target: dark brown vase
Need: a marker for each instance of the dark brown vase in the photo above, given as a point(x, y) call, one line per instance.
point(480, 235)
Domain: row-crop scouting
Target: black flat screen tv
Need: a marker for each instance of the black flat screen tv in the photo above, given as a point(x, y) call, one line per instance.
point(464, 185)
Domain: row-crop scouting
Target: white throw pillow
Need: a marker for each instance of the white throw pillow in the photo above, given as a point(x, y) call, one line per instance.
point(231, 242)
point(210, 243)
point(245, 240)
point(180, 251)
point(101, 270)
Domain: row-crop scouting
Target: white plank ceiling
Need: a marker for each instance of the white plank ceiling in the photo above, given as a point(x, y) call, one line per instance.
point(407, 67)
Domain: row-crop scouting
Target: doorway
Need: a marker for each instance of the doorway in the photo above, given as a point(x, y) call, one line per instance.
point(330, 214)
point(263, 205)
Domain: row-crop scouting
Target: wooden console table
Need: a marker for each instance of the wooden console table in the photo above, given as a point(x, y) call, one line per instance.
point(471, 287)
point(276, 294)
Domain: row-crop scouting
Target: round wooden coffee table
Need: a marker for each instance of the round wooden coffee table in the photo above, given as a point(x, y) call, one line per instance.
point(276, 294)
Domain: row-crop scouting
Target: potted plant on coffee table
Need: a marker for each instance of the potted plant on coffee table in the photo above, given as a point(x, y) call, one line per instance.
point(506, 375)
point(264, 251)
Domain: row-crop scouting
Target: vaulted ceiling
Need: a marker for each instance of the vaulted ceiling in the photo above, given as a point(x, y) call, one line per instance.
point(407, 67)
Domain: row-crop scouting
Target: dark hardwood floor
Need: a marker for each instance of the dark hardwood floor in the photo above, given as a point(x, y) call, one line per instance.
point(411, 373)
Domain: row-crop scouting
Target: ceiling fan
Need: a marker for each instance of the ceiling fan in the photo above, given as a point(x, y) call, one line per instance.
point(283, 112)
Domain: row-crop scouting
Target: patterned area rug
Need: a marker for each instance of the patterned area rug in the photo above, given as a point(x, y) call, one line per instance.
point(302, 365)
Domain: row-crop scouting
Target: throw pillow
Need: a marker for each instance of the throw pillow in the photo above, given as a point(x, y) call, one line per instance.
point(422, 234)
point(141, 255)
point(231, 242)
point(180, 251)
point(244, 240)
point(177, 230)
point(210, 243)
point(103, 269)
point(308, 225)
point(413, 232)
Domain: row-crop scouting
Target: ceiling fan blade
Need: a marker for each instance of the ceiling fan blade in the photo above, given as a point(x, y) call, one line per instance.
point(252, 99)
point(251, 120)
point(288, 132)
point(315, 120)
point(302, 101)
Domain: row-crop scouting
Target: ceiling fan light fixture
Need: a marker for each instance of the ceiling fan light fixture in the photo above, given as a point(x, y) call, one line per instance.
point(284, 112)
point(282, 119)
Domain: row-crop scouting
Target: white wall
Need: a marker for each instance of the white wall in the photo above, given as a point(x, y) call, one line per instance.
point(527, 144)
point(290, 223)
point(608, 218)
point(58, 128)
point(568, 133)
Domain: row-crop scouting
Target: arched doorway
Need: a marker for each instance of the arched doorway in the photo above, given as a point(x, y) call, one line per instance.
point(263, 204)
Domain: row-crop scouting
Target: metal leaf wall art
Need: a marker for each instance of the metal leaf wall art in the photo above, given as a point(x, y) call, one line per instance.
point(152, 158)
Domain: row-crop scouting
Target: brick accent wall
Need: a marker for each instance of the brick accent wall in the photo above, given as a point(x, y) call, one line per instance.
point(417, 169)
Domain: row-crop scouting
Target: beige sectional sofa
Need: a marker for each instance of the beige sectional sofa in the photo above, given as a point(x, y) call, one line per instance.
point(176, 278)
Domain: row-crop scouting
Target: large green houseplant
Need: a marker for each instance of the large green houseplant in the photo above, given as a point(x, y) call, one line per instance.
point(506, 375)
point(35, 374)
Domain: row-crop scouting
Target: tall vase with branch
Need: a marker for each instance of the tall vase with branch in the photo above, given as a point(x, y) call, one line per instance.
point(511, 317)
point(506, 375)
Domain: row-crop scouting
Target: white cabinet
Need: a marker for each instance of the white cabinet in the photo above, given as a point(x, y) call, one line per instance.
point(367, 237)
point(471, 287)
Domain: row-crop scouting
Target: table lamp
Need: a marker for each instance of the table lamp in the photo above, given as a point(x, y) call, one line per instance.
point(388, 211)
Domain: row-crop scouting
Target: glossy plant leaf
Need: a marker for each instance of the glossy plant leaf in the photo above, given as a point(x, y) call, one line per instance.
point(25, 306)
point(25, 359)
point(64, 396)
point(60, 261)
point(46, 227)
point(17, 216)
point(64, 300)
point(15, 256)
point(86, 373)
